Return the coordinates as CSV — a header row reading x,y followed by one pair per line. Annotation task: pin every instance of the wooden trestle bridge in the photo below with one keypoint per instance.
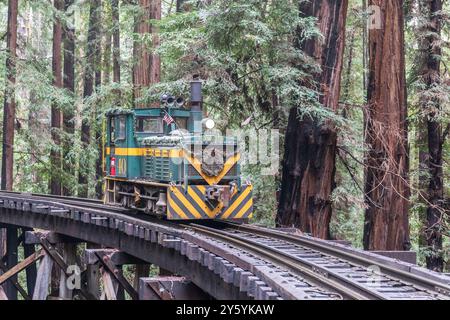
x,y
218,260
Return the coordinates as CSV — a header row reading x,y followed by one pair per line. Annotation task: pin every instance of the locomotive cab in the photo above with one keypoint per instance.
x,y
160,161
118,144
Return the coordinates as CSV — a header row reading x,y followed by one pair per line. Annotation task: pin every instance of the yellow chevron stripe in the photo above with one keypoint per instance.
x,y
180,196
244,209
176,208
217,210
236,203
231,161
200,202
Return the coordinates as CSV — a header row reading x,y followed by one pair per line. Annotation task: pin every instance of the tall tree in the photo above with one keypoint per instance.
x,y
108,31
69,85
9,106
386,161
310,146
56,164
155,65
98,82
116,40
147,65
9,118
432,161
91,77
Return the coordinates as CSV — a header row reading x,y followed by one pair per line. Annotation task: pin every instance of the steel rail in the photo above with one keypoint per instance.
x,y
151,230
41,195
123,212
296,265
420,282
88,203
339,284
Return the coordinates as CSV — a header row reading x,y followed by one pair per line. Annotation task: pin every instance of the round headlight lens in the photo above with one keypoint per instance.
x,y
209,124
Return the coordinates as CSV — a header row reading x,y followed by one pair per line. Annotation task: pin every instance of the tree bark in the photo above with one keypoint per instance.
x,y
107,58
147,66
386,162
310,147
116,40
91,77
98,83
55,157
9,106
430,105
69,85
155,65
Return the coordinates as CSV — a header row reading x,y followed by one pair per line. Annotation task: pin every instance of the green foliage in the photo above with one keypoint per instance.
x,y
245,51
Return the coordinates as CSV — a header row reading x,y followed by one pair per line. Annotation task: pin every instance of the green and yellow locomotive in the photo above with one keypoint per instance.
x,y
163,162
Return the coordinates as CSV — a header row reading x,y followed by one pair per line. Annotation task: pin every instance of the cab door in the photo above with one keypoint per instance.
x,y
118,147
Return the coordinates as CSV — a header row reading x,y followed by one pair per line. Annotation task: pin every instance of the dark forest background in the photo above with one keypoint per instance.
x,y
359,93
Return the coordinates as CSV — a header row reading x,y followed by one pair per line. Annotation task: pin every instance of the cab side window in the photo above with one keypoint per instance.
x,y
121,132
112,125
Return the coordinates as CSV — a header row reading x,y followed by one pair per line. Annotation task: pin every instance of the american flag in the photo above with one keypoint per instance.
x,y
168,119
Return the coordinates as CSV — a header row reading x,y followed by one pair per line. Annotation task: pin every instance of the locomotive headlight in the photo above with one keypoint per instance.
x,y
209,123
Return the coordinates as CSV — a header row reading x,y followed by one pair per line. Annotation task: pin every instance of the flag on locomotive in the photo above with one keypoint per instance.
x,y
162,161
168,119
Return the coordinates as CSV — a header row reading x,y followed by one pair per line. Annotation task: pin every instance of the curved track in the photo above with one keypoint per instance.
x,y
336,269
353,275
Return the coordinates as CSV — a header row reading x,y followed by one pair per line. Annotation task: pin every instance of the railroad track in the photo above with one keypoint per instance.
x,y
73,201
351,275
340,272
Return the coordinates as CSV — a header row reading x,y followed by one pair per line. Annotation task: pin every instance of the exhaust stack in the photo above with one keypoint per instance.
x,y
196,94
196,105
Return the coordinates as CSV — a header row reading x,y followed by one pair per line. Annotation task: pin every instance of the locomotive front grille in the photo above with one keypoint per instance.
x,y
156,168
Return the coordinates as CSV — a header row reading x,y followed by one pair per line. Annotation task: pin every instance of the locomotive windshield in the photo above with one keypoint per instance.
x,y
181,123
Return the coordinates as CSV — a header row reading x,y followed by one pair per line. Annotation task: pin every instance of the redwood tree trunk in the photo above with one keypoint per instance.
x,y
147,65
69,85
90,77
431,75
310,147
56,164
9,106
155,60
9,238
386,164
116,40
98,82
107,58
